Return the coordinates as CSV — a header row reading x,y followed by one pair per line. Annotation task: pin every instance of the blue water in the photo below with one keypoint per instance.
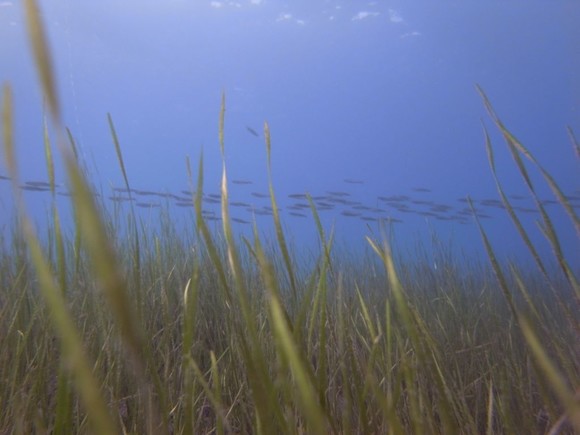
x,y
380,94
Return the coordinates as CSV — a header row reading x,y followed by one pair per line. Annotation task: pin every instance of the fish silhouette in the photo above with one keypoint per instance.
x,y
252,131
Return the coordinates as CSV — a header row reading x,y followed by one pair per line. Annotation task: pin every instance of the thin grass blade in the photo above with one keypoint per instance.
x,y
38,39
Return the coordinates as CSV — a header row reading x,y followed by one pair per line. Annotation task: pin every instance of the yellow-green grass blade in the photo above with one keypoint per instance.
x,y
549,233
489,423
495,264
325,245
60,252
431,357
118,151
209,392
48,156
71,342
267,410
190,303
554,378
221,125
322,337
315,301
72,346
136,248
63,412
445,403
561,197
270,416
341,341
373,347
121,162
285,389
233,255
539,321
72,143
552,375
423,344
289,351
283,245
318,318
8,130
357,381
371,382
43,63
77,254
215,379
38,39
525,294
276,216
256,354
104,259
307,305
366,316
411,390
516,147
107,271
548,227
59,244
390,379
396,287
203,228
521,231
498,122
574,141
234,262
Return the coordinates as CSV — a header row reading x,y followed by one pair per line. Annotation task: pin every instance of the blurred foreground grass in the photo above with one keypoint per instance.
x,y
161,331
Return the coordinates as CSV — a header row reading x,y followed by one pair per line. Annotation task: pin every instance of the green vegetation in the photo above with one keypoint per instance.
x,y
117,327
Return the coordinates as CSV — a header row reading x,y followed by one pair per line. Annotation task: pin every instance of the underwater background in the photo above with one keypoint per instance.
x,y
375,256
372,110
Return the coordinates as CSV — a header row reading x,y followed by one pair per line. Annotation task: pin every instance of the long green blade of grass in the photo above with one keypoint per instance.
x,y
276,216
87,217
233,254
522,232
37,37
136,247
574,141
8,130
262,386
509,208
72,347
209,392
516,148
288,349
554,378
72,344
205,232
48,156
423,344
557,383
190,304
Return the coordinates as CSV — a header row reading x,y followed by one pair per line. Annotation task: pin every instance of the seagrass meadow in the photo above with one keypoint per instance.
x,y
113,326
